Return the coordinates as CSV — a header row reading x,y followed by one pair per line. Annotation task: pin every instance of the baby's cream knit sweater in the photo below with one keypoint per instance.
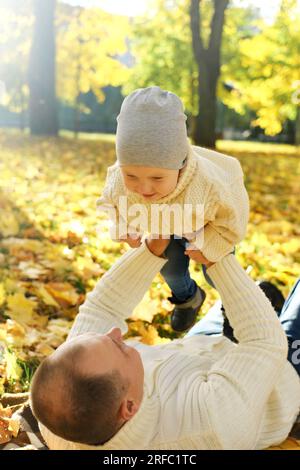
x,y
211,181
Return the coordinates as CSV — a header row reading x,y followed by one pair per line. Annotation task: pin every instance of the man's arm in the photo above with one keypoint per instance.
x,y
120,290
237,387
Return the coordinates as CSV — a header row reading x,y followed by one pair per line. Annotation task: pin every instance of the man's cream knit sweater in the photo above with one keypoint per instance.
x,y
200,392
210,179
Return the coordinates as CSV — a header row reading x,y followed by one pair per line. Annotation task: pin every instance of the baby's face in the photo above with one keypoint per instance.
x,y
150,183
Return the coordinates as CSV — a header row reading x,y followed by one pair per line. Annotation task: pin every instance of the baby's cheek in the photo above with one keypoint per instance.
x,y
171,186
129,185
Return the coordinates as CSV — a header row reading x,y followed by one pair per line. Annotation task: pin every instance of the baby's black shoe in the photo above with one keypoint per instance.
x,y
273,293
184,314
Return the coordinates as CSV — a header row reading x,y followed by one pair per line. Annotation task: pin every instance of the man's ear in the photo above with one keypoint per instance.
x,y
127,409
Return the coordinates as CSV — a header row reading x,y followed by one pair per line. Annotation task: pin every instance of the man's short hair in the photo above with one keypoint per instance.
x,y
73,405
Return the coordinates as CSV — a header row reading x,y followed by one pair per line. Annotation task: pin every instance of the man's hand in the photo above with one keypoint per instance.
x,y
157,246
198,256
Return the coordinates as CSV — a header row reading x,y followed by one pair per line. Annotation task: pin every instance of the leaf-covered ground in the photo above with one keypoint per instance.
x,y
54,246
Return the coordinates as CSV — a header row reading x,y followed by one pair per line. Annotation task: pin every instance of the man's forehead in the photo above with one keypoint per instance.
x,y
83,340
85,336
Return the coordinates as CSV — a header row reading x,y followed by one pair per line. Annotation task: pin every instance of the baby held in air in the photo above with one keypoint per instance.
x,y
163,185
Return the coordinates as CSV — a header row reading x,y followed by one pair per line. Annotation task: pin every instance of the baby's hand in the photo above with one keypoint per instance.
x,y
134,241
198,256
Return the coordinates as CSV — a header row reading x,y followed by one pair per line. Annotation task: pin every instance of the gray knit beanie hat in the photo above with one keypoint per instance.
x,y
151,130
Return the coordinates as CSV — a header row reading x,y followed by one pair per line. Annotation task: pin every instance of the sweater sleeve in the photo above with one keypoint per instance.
x,y
118,292
107,193
228,218
238,386
108,203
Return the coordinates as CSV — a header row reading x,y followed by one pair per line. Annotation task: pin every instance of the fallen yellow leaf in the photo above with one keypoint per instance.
x,y
63,292
2,294
22,311
46,297
20,308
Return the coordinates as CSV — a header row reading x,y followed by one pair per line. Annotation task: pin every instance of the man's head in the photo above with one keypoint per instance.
x,y
88,388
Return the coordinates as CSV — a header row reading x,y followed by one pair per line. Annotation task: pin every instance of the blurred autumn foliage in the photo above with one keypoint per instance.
x,y
54,246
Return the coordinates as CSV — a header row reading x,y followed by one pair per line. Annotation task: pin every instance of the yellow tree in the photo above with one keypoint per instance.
x,y
15,40
89,45
267,72
162,47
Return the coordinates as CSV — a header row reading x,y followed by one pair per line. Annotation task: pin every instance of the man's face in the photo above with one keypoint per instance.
x,y
107,352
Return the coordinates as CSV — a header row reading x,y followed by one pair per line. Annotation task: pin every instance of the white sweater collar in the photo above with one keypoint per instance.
x,y
137,432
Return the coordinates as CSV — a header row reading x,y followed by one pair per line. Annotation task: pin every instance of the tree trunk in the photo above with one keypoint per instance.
x,y
42,102
208,62
22,113
205,128
76,124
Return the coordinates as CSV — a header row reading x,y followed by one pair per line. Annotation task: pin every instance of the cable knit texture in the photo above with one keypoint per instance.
x,y
200,392
210,179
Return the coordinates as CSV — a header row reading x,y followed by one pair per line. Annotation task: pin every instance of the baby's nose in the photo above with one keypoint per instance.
x,y
146,188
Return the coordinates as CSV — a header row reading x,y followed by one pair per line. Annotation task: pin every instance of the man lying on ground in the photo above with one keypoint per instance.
x,y
199,392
